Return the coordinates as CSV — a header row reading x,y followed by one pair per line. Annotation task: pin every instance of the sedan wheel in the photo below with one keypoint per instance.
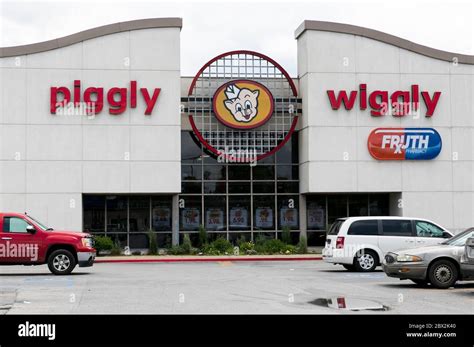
x,y
443,274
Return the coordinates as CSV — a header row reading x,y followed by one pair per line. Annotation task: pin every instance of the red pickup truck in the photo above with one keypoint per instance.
x,y
25,241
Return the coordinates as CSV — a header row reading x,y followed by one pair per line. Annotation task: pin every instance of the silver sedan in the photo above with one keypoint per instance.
x,y
441,265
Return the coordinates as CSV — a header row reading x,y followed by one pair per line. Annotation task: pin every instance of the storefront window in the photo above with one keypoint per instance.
x,y
139,219
161,216
288,213
239,212
232,199
378,205
316,212
139,241
190,213
117,213
239,187
358,205
214,187
288,154
214,172
239,172
264,212
337,207
191,187
215,213
94,213
190,148
263,173
287,172
264,187
191,172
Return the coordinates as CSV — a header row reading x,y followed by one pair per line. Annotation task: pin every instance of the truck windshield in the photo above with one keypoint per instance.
x,y
41,225
460,239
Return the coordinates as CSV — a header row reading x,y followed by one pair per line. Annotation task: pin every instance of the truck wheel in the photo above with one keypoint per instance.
x,y
366,261
61,262
443,274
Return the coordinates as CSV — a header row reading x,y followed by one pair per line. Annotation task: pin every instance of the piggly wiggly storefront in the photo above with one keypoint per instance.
x,y
100,132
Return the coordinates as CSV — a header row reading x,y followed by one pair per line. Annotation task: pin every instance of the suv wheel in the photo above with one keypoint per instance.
x,y
61,262
443,274
366,261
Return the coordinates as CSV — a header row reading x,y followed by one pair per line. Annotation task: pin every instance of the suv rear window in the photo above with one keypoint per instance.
x,y
397,227
364,227
334,230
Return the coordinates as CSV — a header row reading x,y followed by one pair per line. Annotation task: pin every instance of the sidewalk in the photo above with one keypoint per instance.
x,y
204,258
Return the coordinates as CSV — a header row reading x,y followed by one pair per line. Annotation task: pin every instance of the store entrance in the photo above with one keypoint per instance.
x,y
323,209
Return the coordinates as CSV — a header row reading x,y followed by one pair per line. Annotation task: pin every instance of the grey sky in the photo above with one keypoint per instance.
x,y
213,27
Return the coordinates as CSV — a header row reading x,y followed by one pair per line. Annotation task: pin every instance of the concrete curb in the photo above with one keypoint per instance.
x,y
203,259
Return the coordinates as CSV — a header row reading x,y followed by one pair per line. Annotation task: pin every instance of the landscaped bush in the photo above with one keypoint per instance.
x,y
116,250
220,246
286,235
203,237
153,243
247,247
187,246
271,246
103,243
302,246
177,250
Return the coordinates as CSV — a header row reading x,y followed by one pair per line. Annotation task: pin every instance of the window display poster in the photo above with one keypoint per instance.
x,y
264,217
316,218
214,218
161,217
289,217
190,218
238,217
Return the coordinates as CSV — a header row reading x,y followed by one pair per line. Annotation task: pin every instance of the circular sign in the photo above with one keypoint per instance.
x,y
243,104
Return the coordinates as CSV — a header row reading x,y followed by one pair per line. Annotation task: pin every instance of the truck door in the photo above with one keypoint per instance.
x,y
17,241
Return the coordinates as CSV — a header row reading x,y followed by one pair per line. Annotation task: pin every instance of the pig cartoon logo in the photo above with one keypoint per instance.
x,y
243,104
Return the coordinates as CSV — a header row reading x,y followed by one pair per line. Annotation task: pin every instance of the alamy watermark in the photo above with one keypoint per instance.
x,y
19,250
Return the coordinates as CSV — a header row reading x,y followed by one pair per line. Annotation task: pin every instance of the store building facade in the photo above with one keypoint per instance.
x,y
100,132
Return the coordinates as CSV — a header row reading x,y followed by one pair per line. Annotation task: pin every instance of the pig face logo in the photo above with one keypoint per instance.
x,y
243,104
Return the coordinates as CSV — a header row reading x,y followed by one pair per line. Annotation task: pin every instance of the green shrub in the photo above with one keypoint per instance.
x,y
246,247
290,249
177,250
222,245
153,243
187,246
286,235
203,237
271,246
103,243
302,246
219,246
260,240
116,250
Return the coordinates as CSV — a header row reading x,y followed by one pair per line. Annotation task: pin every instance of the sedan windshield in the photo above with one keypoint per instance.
x,y
460,239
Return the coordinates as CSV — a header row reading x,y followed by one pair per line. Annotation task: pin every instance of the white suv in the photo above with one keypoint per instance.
x,y
359,243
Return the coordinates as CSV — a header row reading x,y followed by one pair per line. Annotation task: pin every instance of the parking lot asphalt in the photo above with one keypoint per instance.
x,y
276,287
